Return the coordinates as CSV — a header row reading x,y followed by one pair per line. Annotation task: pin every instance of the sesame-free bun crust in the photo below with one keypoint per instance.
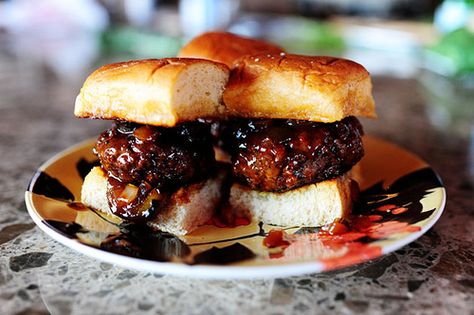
x,y
189,207
225,47
315,88
310,205
160,92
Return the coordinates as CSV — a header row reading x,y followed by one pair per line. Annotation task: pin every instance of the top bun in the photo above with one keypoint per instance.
x,y
160,92
225,47
324,89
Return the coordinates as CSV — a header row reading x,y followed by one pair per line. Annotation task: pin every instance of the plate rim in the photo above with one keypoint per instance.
x,y
213,272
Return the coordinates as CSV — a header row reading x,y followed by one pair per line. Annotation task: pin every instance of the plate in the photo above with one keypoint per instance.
x,y
401,198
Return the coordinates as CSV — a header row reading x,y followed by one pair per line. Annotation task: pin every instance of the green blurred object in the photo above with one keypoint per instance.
x,y
448,82
450,102
454,54
305,36
138,44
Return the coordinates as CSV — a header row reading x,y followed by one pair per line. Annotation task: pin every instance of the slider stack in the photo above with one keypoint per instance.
x,y
283,124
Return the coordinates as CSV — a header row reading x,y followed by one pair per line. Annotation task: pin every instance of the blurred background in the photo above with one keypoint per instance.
x,y
428,41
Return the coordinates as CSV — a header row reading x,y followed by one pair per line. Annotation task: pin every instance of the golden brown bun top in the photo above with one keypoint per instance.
x,y
315,88
161,92
225,47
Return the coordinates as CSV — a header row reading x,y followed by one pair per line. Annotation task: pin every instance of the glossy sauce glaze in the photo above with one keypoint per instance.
x,y
132,202
279,154
145,164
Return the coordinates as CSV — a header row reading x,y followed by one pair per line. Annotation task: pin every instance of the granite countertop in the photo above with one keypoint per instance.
x,y
433,275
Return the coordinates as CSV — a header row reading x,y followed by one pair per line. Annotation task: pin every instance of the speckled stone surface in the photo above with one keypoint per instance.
x,y
433,275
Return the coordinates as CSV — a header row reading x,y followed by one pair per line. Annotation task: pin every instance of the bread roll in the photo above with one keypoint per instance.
x,y
160,92
323,89
225,47
311,205
189,208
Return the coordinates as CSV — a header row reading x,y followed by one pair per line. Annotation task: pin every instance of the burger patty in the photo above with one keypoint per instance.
x,y
278,155
164,158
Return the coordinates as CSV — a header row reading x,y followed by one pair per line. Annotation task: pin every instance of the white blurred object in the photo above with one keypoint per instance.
x,y
198,16
52,17
139,12
453,14
61,34
385,47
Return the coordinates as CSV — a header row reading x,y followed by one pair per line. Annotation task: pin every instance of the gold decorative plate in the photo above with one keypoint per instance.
x,y
401,198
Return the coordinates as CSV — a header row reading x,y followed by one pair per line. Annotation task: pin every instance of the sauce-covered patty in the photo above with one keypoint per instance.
x,y
142,159
160,156
279,155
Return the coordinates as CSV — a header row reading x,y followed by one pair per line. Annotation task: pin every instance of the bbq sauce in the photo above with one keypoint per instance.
x,y
278,155
275,238
78,206
147,163
130,202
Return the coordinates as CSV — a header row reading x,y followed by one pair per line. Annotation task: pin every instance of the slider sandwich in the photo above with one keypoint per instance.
x,y
226,47
293,137
287,122
157,162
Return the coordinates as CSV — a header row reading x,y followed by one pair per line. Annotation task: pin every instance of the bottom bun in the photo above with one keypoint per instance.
x,y
310,205
189,207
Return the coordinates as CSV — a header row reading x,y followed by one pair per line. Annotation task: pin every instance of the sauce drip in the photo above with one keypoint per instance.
x,y
275,238
132,202
335,228
224,223
145,164
78,206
